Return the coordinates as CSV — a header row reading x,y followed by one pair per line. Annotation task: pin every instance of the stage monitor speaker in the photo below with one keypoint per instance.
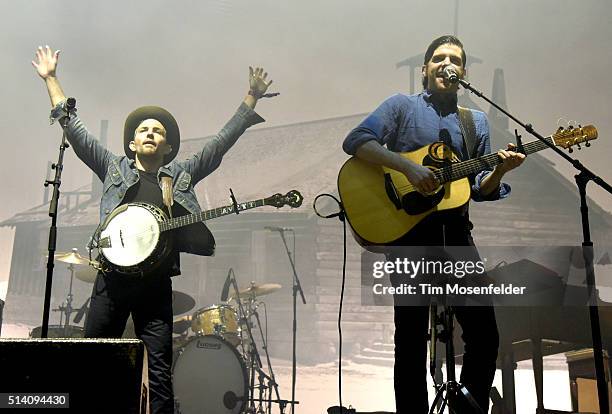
x,y
97,375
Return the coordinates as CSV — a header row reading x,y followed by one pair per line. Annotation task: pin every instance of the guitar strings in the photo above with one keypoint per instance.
x,y
207,215
464,168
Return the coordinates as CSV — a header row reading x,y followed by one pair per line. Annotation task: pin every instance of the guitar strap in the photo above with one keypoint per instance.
x,y
468,130
167,198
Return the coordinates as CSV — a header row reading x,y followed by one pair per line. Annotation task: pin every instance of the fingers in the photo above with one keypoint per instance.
x,y
257,72
421,178
46,54
511,150
504,154
45,61
518,158
258,78
510,159
428,182
431,183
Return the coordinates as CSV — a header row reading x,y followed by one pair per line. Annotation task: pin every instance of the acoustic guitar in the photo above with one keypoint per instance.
x,y
382,206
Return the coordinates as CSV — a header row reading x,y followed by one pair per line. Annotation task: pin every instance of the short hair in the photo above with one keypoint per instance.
x,y
436,43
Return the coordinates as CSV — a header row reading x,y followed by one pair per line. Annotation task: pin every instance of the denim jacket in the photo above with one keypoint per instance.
x,y
119,173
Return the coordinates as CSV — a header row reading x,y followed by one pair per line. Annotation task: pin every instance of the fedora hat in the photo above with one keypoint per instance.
x,y
173,136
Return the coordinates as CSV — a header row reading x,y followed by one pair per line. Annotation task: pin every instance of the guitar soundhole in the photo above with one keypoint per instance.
x,y
417,203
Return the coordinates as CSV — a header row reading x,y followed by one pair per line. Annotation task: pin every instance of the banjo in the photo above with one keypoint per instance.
x,y
134,238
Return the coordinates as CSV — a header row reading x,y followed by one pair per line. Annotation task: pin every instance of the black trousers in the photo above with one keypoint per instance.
x,y
410,371
149,300
412,322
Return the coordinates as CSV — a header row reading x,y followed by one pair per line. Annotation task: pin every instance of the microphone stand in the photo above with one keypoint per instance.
x,y
297,287
582,179
67,310
271,379
56,182
255,358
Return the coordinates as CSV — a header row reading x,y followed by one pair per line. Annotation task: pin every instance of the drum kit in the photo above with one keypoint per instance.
x,y
83,272
216,366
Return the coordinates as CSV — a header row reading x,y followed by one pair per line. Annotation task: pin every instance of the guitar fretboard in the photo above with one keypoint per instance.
x,y
463,169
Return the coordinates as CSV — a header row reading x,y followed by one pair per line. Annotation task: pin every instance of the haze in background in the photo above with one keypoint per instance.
x,y
327,58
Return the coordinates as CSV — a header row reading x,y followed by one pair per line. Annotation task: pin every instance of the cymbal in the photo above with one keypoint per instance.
x,y
181,302
86,274
72,258
259,290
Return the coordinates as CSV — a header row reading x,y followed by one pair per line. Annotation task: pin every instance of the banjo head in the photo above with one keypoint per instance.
x,y
131,234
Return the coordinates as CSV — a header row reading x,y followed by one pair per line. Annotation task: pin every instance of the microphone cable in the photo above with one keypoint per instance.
x,y
342,217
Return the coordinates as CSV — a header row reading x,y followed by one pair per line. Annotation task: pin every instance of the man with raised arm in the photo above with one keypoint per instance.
x,y
148,173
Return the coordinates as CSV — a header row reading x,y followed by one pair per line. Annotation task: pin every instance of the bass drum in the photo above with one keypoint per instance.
x,y
209,376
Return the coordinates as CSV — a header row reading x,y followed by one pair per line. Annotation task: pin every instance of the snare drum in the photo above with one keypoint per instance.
x,y
209,376
218,320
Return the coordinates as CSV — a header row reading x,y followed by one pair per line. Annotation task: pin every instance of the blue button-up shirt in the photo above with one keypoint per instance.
x,y
408,122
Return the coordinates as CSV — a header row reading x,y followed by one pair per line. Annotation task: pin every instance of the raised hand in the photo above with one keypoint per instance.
x,y
46,61
257,82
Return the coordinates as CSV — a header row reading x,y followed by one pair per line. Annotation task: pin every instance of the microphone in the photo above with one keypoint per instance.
x,y
450,74
276,228
70,104
226,286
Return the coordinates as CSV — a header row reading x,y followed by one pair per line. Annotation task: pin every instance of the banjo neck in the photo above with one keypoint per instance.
x,y
188,219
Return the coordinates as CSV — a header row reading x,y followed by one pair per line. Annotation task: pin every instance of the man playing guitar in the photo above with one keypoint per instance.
x,y
148,173
405,123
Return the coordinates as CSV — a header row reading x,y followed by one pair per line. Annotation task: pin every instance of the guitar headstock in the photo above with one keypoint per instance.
x,y
568,137
292,199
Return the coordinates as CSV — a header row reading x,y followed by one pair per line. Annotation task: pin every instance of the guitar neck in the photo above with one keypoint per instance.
x,y
182,221
464,169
